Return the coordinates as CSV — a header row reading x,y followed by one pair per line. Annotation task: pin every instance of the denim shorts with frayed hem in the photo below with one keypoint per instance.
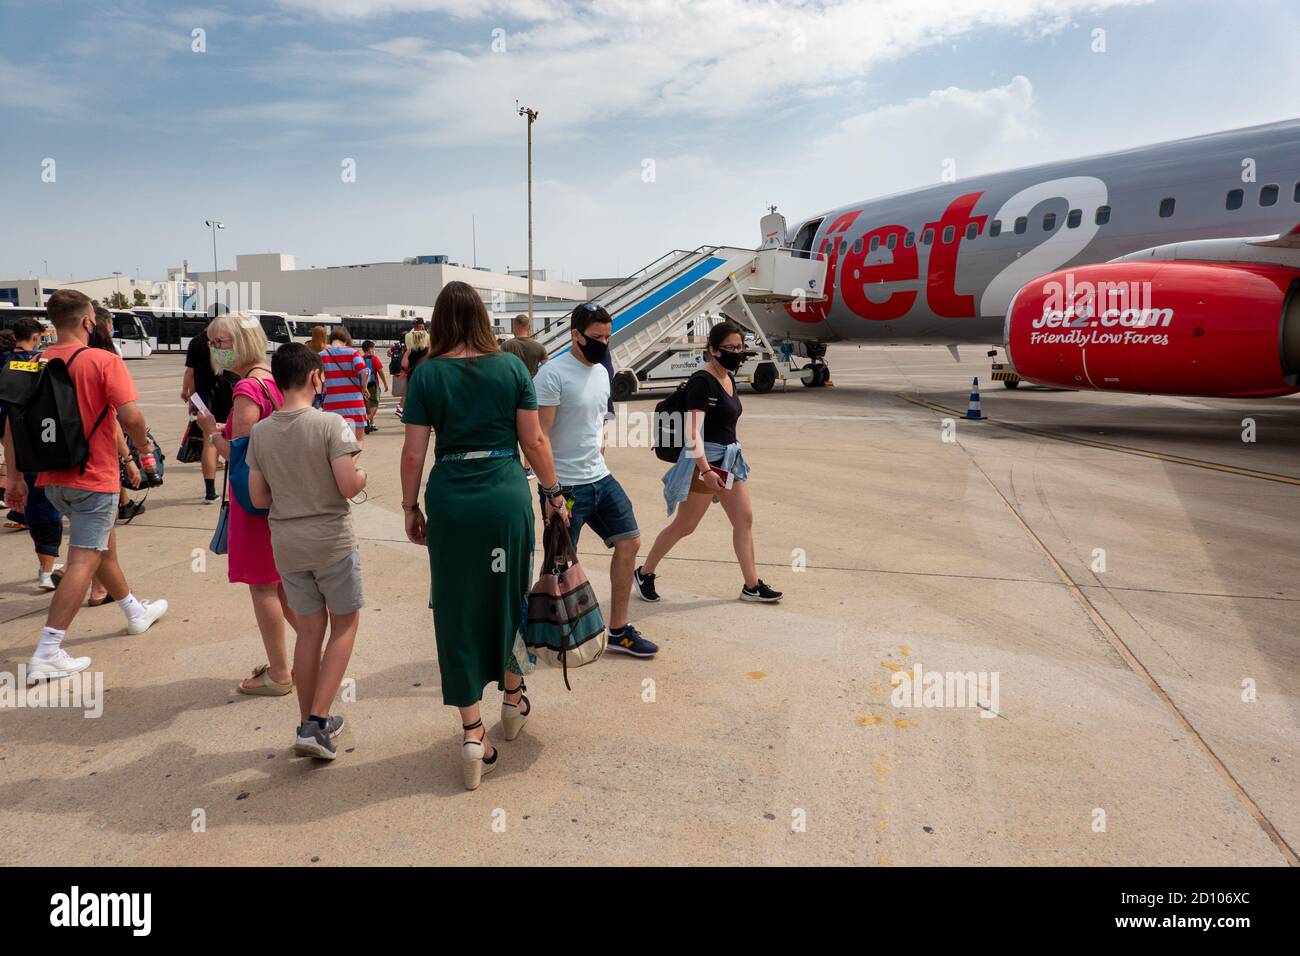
x,y
604,507
90,514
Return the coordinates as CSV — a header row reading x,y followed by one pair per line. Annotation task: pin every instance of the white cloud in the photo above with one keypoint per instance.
x,y
905,145
35,89
710,59
461,9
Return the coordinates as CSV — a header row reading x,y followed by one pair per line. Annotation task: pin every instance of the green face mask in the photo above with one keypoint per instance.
x,y
223,358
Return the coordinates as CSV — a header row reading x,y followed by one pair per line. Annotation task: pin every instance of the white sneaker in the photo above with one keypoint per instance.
x,y
60,665
45,579
152,611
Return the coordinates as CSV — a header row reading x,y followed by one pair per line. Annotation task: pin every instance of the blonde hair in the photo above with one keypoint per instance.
x,y
419,340
245,331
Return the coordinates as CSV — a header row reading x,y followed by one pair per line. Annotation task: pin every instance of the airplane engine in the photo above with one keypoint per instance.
x,y
1230,330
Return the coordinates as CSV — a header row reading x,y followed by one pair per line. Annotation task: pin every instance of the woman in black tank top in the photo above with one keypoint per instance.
x,y
713,411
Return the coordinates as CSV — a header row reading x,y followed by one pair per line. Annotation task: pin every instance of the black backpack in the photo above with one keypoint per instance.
x,y
395,358
47,431
668,436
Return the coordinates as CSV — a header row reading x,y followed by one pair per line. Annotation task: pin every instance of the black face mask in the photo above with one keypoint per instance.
x,y
593,350
731,360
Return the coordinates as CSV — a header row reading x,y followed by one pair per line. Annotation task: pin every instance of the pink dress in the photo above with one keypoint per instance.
x,y
250,558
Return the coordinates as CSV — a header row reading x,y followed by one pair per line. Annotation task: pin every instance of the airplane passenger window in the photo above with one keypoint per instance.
x,y
875,243
892,240
1234,198
1295,196
995,228
857,244
1103,215
1022,223
1166,207
1074,218
1049,221
1268,195
949,234
972,231
909,240
928,236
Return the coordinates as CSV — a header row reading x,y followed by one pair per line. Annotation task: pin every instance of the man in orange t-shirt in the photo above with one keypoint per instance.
x,y
88,497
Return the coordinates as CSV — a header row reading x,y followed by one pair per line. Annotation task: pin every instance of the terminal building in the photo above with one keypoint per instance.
x,y
34,291
272,282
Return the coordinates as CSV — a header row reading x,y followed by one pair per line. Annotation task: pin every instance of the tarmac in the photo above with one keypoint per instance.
x,y
1117,571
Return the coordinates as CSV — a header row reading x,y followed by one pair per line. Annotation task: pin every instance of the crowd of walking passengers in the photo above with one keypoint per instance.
x,y
292,430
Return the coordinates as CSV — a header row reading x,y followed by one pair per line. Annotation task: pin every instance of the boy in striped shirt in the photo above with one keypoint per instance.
x,y
346,377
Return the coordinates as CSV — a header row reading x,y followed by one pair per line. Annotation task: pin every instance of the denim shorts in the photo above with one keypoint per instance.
x,y
90,514
605,507
336,586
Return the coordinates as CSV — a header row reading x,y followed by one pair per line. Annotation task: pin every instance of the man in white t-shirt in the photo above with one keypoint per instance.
x,y
572,397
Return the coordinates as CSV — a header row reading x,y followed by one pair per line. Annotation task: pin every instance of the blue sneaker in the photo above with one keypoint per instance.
x,y
630,641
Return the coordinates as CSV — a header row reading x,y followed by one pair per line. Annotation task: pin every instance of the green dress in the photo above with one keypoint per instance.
x,y
479,515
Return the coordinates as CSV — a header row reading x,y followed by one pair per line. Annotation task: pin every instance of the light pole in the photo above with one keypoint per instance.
x,y
532,118
214,225
117,285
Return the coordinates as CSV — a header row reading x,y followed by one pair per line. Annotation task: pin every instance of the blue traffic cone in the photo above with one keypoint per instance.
x,y
973,409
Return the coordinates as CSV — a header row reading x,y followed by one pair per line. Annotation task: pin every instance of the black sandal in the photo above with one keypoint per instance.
x,y
511,726
474,726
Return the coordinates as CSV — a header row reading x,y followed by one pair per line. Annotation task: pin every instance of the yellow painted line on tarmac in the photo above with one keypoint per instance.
x,y
1112,446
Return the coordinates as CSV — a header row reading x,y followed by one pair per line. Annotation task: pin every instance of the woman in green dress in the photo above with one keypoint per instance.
x,y
479,402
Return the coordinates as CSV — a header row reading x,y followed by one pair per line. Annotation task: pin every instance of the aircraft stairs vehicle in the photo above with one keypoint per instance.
x,y
659,310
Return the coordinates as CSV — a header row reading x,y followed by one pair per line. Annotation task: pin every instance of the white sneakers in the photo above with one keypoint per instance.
x,y
63,664
60,665
45,579
152,611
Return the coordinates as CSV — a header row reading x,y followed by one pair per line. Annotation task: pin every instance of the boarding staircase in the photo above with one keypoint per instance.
x,y
652,308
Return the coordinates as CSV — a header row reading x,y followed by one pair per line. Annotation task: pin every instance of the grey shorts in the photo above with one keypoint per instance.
x,y
336,587
90,514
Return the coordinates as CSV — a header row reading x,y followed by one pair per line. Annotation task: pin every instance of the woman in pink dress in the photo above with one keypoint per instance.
x,y
238,344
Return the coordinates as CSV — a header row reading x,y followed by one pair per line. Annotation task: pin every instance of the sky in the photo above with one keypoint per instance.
x,y
347,131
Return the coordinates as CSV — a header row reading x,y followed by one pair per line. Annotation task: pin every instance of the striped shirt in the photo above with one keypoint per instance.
x,y
344,371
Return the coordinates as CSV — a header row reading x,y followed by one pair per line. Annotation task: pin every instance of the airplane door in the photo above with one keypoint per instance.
x,y
803,239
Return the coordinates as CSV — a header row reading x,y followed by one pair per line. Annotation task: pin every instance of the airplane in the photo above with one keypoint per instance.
x,y
1165,269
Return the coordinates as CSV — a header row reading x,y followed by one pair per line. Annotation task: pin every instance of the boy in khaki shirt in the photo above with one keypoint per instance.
x,y
302,466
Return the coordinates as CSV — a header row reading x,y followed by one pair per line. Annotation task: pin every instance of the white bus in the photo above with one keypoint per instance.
x,y
173,330
130,334
300,326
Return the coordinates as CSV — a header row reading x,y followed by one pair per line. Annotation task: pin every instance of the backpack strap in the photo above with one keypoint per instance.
x,y
102,414
332,361
267,392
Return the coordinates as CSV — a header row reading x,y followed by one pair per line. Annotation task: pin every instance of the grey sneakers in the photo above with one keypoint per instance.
x,y
312,741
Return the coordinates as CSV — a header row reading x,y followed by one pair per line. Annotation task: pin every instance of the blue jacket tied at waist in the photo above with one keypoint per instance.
x,y
677,480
